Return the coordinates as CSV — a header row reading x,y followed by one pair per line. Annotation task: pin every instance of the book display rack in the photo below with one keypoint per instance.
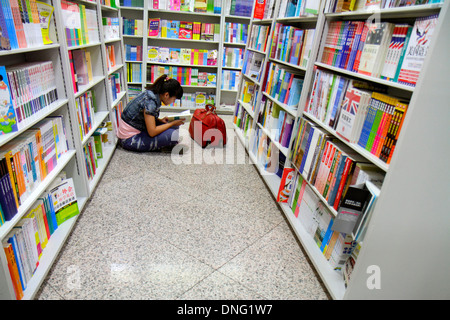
x,y
63,87
318,115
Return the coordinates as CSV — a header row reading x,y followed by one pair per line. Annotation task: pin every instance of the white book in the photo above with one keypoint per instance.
x,y
185,115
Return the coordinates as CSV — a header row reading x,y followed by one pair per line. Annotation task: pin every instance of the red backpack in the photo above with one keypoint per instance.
x,y
207,128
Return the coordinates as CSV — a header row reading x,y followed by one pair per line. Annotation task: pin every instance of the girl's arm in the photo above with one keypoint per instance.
x,y
153,130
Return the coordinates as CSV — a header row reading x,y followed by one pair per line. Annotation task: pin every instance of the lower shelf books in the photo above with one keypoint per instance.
x,y
185,75
134,72
267,154
16,109
193,57
27,160
327,164
26,243
318,221
230,80
282,85
242,119
277,121
195,100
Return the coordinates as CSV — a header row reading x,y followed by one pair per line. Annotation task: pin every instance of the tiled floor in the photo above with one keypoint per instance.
x,y
205,228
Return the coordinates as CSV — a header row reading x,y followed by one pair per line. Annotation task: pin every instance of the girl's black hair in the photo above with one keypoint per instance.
x,y
165,84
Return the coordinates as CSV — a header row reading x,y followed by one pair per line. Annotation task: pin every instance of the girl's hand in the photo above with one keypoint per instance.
x,y
177,122
164,120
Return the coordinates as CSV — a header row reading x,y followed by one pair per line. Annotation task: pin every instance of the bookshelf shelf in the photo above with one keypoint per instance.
x,y
376,161
367,78
39,116
102,164
82,89
49,256
83,46
289,109
31,49
403,12
296,67
23,209
112,40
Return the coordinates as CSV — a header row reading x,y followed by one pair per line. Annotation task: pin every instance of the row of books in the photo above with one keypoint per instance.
x,y
80,23
294,8
185,75
283,85
253,65
94,147
233,57
235,33
277,121
201,6
242,119
111,28
242,8
133,91
85,106
25,90
193,57
264,9
175,29
132,27
132,3
362,5
110,57
26,243
195,100
258,37
249,93
133,53
20,26
230,80
323,162
28,159
292,45
318,223
110,3
267,153
80,67
134,72
359,115
115,84
118,110
394,52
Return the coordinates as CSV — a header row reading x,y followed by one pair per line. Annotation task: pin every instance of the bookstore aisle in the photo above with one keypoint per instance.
x,y
158,229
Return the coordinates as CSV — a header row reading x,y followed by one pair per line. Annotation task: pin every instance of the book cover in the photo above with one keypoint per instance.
x,y
416,50
351,209
8,119
349,109
153,27
173,28
374,49
45,15
186,29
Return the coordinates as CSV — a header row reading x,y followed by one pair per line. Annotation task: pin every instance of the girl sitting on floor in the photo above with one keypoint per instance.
x,y
140,128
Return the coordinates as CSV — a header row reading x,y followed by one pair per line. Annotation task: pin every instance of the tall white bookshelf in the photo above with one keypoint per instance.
x,y
73,161
405,210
